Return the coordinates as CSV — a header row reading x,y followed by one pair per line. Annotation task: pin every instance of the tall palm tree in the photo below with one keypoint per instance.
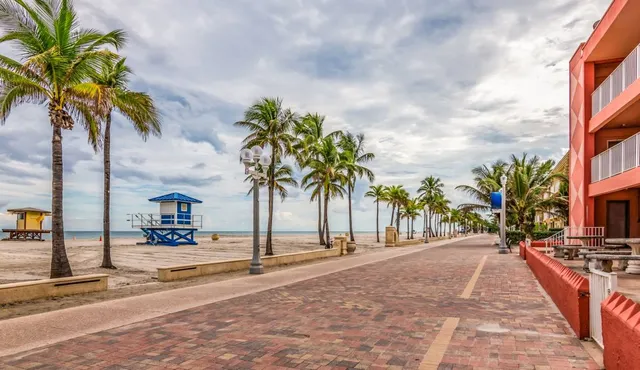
x,y
429,188
410,212
111,93
270,125
440,206
354,156
283,178
57,60
310,133
327,173
378,193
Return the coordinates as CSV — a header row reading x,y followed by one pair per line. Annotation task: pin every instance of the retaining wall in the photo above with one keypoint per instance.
x,y
621,332
30,290
172,273
568,289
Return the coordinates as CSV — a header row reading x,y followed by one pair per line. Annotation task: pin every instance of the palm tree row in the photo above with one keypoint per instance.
x,y
333,161
430,203
73,72
528,183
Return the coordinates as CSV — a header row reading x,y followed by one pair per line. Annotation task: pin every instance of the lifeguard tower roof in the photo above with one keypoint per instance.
x,y
175,197
28,209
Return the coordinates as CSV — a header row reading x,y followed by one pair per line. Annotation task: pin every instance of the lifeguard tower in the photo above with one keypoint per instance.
x,y
175,224
28,224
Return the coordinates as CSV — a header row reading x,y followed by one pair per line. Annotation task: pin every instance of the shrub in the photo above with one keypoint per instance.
x,y
515,237
539,235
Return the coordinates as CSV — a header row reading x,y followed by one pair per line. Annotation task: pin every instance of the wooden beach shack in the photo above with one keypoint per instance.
x,y
28,224
174,225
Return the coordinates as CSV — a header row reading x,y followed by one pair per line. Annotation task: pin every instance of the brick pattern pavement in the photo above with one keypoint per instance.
x,y
378,316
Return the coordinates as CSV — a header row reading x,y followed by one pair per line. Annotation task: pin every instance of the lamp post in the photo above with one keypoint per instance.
x,y
426,234
256,165
503,217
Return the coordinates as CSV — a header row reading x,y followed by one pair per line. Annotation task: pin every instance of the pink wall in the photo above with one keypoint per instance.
x,y
621,333
581,142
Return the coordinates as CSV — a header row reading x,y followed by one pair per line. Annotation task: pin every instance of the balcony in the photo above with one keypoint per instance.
x,y
622,77
620,158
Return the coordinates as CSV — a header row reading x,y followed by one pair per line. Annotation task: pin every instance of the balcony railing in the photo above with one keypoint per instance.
x,y
622,157
627,73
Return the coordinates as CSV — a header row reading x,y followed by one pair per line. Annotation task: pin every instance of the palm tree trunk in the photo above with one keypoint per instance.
x,y
393,213
378,220
412,228
320,231
408,236
353,239
424,224
106,220
398,219
449,228
326,218
429,227
59,262
272,168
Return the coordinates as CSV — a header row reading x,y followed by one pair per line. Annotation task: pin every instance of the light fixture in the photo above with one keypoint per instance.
x,y
257,151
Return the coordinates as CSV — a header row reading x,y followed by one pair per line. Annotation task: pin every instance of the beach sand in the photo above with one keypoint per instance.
x,y
137,264
136,272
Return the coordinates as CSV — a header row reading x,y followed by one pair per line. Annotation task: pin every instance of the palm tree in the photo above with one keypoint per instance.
x,y
327,173
411,211
354,155
111,93
530,179
310,132
394,195
440,206
455,217
270,125
283,178
377,192
487,180
429,188
58,58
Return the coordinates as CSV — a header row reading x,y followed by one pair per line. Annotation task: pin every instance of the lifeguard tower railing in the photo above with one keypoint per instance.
x,y
165,220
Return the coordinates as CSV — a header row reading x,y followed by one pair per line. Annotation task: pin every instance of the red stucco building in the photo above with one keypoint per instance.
x,y
605,124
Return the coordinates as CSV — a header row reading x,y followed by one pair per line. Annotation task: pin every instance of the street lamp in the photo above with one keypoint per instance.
x,y
503,217
426,227
256,165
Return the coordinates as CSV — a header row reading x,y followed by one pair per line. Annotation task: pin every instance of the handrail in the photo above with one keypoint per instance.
x,y
173,220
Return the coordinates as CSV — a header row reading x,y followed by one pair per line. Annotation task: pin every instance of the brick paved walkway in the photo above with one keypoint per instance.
x,y
382,315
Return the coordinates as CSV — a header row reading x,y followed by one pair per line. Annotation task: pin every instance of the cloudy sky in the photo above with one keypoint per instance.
x,y
437,87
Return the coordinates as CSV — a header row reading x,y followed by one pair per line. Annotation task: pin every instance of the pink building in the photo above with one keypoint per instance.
x,y
605,124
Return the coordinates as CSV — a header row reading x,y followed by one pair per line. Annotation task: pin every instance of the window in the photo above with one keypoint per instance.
x,y
184,207
612,143
20,216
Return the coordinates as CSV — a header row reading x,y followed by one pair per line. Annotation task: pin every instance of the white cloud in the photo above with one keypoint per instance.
x,y
437,87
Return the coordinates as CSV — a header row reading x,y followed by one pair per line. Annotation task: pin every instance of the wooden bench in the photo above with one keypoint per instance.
x,y
622,264
607,260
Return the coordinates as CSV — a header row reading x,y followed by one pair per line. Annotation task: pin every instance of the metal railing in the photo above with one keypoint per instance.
x,y
158,220
622,157
622,77
562,237
601,285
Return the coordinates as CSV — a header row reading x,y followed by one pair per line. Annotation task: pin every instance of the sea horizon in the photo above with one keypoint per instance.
x,y
95,234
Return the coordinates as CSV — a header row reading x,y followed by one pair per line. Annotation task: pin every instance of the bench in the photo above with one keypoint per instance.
x,y
622,264
571,250
607,260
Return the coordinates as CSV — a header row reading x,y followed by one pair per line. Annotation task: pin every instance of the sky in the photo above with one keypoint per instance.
x,y
437,87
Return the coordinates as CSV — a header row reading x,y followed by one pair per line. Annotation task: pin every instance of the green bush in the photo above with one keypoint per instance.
x,y
515,237
539,235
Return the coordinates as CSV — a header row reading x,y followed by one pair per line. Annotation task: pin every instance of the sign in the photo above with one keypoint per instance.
x,y
496,200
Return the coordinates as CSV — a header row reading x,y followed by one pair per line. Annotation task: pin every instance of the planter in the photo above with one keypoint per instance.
x,y
351,247
215,237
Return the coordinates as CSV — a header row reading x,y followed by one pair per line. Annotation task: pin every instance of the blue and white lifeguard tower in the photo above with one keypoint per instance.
x,y
174,225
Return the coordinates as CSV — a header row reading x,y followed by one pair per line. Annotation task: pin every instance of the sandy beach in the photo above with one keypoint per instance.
x,y
137,264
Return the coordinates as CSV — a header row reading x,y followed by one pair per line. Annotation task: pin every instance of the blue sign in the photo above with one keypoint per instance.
x,y
496,200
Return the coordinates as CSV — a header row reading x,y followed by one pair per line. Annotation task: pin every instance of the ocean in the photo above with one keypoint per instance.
x,y
88,235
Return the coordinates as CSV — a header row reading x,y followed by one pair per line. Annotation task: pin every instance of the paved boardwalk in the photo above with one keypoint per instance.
x,y
459,306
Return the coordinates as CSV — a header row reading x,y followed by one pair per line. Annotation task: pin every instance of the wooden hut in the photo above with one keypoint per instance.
x,y
28,224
